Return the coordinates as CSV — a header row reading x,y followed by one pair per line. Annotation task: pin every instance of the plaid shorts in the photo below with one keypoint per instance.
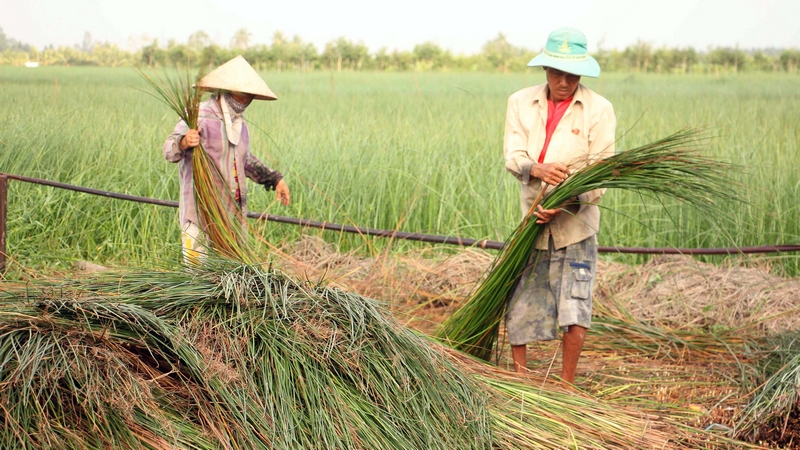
x,y
554,291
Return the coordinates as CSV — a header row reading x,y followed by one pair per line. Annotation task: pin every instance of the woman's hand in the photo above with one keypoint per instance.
x,y
189,140
282,192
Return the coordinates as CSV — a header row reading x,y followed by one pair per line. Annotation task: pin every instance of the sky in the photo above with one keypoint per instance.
x,y
460,26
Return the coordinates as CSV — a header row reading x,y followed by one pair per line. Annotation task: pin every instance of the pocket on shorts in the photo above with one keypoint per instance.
x,y
581,280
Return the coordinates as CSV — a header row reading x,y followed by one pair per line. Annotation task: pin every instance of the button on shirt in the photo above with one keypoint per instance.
x,y
585,134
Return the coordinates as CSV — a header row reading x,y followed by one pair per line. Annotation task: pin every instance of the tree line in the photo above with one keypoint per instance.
x,y
285,53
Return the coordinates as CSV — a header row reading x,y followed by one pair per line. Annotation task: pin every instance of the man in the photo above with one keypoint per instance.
x,y
552,129
226,138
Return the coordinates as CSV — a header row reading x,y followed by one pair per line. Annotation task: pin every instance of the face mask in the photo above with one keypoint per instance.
x,y
236,107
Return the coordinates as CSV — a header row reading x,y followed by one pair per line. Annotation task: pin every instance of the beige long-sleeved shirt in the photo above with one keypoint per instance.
x,y
585,134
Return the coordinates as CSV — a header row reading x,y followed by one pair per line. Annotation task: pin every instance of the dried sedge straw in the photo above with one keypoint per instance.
x,y
669,167
529,412
773,403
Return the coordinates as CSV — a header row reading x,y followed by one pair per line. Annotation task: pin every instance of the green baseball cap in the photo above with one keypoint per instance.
x,y
566,51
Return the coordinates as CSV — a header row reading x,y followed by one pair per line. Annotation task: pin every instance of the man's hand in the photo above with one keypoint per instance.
x,y
545,215
190,140
552,173
282,192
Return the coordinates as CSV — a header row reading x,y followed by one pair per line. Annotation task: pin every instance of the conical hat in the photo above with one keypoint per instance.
x,y
236,75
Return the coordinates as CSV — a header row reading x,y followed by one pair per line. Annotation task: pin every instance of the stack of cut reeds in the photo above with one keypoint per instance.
x,y
224,356
237,356
773,406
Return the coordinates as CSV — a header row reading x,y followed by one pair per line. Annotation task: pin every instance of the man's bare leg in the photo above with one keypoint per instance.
x,y
519,354
573,345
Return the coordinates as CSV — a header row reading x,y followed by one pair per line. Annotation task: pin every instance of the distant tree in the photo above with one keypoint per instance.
x,y
402,60
728,58
241,39
224,55
603,56
257,55
331,56
301,54
3,40
198,41
685,59
279,51
639,55
292,54
153,55
344,53
109,55
662,59
428,52
673,60
762,61
499,52
790,60
359,53
209,55
178,54
382,58
6,43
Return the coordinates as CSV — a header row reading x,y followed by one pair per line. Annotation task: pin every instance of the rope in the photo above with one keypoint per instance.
x,y
420,237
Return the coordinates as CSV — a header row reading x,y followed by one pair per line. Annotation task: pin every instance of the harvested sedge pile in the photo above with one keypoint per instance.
x,y
773,408
235,356
670,167
227,357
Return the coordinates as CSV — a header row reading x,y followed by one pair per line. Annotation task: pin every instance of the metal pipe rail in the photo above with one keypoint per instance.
x,y
430,238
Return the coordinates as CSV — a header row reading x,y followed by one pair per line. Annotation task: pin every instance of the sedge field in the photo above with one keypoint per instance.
x,y
409,151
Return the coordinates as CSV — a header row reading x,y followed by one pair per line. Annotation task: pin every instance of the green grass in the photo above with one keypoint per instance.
x,y
422,152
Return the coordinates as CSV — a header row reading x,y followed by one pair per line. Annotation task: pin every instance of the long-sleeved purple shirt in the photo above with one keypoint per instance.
x,y
214,139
